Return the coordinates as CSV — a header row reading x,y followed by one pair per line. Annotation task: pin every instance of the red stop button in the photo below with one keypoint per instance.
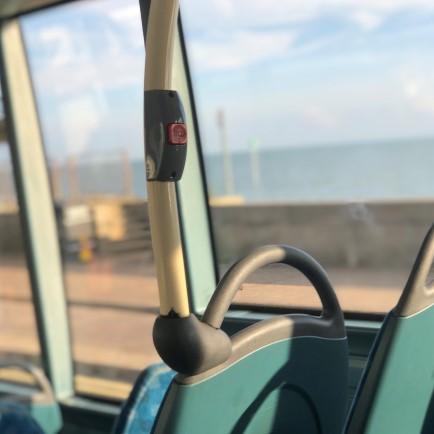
x,y
177,134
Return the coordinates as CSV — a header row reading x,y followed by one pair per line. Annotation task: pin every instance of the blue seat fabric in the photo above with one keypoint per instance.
x,y
141,408
14,420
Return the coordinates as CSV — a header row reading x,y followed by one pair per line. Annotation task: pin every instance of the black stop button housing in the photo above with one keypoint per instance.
x,y
165,157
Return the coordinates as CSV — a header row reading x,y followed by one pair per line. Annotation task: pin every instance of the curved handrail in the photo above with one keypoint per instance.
x,y
36,372
191,347
267,255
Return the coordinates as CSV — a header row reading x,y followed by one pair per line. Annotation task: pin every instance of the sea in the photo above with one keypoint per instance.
x,y
359,172
376,171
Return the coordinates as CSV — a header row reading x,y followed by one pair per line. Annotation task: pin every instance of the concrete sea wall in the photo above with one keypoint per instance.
x,y
371,235
11,241
356,235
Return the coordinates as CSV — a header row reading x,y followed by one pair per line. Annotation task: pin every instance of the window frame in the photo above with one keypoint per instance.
x,y
36,202
36,209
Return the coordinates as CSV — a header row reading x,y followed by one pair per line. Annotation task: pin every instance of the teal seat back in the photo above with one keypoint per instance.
x,y
395,395
293,386
287,374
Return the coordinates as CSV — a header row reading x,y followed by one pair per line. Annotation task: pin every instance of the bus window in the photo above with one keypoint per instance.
x,y
18,332
317,130
87,61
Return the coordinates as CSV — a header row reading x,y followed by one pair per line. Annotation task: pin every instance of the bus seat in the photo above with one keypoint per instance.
x,y
14,420
140,410
33,413
395,395
286,374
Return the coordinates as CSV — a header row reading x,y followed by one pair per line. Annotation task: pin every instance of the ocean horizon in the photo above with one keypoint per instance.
x,y
388,170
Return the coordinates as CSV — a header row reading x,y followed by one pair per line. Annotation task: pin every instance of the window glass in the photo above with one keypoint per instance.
x,y
87,62
317,130
18,332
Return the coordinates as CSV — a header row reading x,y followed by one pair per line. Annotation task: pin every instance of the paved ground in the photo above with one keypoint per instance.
x,y
112,306
111,314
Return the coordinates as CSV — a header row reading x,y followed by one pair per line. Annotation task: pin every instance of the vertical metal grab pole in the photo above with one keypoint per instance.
x,y
185,343
162,201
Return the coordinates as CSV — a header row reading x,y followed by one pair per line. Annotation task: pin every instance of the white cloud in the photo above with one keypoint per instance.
x,y
226,8
233,34
81,116
59,44
412,88
245,13
66,77
239,49
319,117
227,35
263,20
128,18
366,20
420,93
128,13
69,59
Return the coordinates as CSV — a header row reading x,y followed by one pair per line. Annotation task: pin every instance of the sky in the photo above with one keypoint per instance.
x,y
285,72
